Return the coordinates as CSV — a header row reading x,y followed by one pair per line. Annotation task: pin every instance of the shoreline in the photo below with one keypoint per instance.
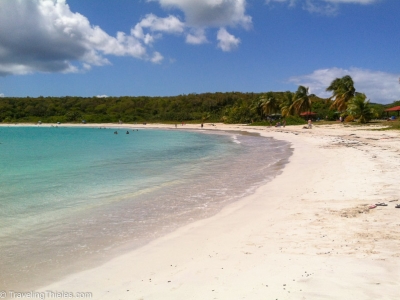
x,y
300,236
233,188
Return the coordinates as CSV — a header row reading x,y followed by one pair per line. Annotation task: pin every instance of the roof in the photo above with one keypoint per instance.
x,y
308,113
396,108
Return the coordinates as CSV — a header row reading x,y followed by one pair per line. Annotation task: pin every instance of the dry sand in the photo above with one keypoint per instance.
x,y
307,234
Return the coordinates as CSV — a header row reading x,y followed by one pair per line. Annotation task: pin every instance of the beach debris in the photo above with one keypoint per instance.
x,y
381,204
353,212
371,206
397,206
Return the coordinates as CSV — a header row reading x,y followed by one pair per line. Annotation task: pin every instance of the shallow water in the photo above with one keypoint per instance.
x,y
71,198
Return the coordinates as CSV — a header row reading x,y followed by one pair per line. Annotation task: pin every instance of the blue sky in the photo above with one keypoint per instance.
x,y
171,47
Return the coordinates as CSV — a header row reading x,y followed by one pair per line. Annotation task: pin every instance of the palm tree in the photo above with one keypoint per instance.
x,y
288,99
342,92
257,107
303,100
359,108
270,103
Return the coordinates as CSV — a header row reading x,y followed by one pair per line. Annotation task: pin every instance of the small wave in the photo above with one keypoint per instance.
x,y
235,139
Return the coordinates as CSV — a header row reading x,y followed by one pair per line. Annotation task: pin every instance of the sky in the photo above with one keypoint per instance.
x,y
172,47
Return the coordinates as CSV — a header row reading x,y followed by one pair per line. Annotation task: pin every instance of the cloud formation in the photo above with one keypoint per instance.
x,y
200,15
380,87
211,13
328,7
196,36
48,37
226,41
154,24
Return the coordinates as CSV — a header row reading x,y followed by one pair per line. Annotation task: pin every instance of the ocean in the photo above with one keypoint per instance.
x,y
72,198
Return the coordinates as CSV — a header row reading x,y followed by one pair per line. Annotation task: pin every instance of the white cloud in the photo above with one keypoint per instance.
x,y
2,95
320,8
170,24
101,96
200,15
196,37
211,13
380,87
157,57
48,37
328,7
226,41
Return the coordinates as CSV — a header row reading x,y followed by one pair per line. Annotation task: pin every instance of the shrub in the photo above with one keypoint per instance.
x,y
349,119
295,120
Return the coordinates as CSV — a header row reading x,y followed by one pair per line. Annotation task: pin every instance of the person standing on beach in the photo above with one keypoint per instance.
x,y
284,123
309,124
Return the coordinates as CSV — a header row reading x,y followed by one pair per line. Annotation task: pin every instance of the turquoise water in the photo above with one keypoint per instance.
x,y
71,198
53,171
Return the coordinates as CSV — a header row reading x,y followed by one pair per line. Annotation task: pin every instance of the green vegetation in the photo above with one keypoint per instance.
x,y
233,107
393,125
358,107
192,107
302,101
342,92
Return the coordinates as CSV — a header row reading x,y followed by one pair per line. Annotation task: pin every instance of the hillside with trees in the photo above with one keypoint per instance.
x,y
231,107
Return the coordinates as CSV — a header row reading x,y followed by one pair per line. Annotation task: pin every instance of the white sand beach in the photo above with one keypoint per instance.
x,y
307,234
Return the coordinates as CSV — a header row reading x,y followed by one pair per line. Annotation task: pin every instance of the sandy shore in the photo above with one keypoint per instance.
x,y
307,234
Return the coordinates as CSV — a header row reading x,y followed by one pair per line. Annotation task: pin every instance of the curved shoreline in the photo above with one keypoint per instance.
x,y
206,183
301,235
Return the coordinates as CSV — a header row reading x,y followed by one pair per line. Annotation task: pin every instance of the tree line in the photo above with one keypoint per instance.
x,y
344,103
230,107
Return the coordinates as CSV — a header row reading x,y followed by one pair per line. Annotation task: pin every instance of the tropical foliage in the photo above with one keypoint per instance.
x,y
232,107
303,101
270,103
342,92
359,108
287,107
